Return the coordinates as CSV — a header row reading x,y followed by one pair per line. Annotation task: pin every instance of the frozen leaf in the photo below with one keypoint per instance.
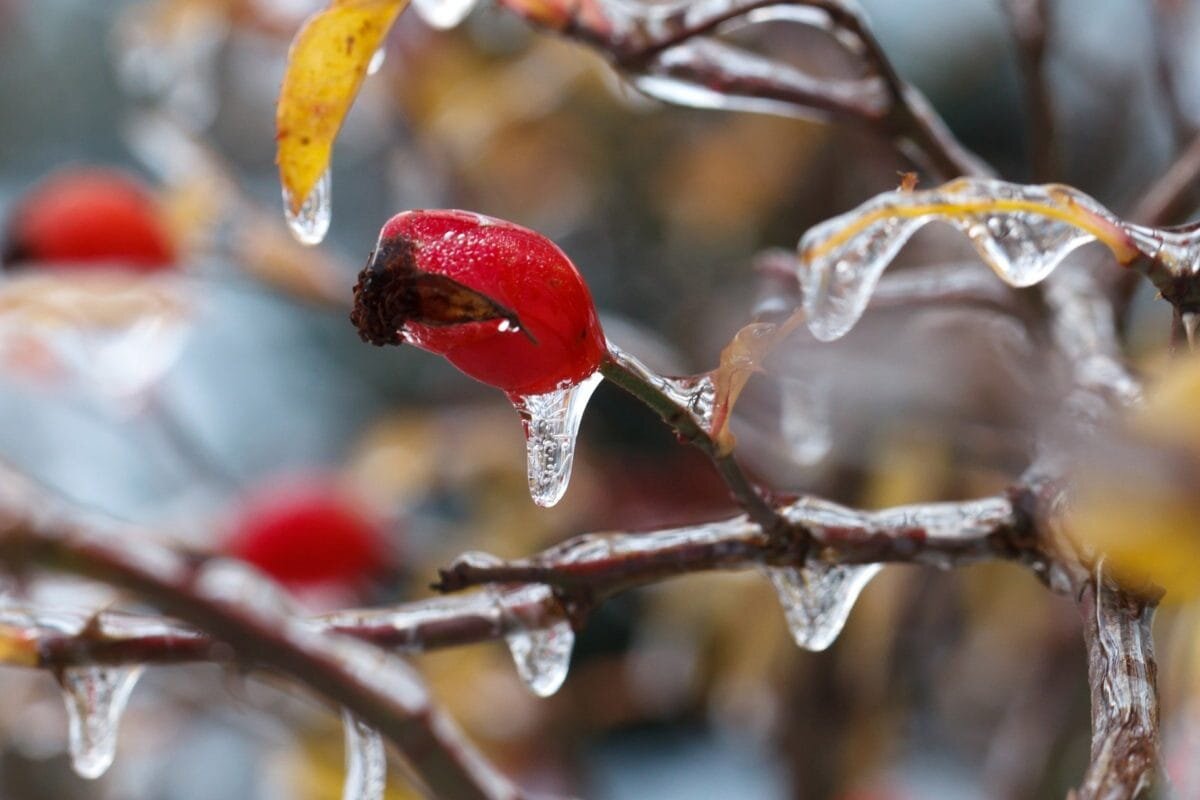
x,y
326,66
1021,232
740,359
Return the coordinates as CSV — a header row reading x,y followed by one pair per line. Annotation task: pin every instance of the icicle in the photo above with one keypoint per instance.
x,y
376,62
542,654
444,14
95,697
804,424
310,225
366,761
817,598
551,423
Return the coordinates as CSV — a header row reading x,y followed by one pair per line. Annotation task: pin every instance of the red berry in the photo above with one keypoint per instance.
x,y
84,217
308,534
460,284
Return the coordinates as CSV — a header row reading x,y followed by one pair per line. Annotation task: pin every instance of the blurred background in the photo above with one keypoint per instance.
x,y
231,396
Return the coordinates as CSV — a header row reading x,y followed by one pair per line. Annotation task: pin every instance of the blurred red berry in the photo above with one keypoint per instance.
x,y
84,217
309,534
460,284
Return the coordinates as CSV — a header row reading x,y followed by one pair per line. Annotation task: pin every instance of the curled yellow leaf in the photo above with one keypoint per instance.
x,y
326,66
741,358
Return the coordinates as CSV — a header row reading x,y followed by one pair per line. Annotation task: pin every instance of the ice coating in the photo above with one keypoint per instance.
x,y
695,393
817,598
310,224
1021,232
542,655
682,75
95,697
536,630
551,422
366,761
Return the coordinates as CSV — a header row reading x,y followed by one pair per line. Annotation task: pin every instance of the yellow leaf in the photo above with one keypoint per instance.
x,y
1171,412
740,359
326,66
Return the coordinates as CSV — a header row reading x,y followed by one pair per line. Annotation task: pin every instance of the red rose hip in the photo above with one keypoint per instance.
x,y
504,305
87,217
500,302
308,534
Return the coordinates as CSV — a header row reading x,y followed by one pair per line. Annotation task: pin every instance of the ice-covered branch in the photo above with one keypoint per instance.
x,y
377,689
55,640
1022,232
593,566
1122,673
669,50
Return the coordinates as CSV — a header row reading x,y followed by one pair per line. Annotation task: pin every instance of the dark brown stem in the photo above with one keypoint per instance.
x,y
1029,21
740,486
1122,673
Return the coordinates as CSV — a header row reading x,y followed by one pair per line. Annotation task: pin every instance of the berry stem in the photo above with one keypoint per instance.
x,y
685,426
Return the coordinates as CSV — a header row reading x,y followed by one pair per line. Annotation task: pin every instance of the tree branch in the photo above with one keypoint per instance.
x,y
1029,21
382,691
648,40
1122,673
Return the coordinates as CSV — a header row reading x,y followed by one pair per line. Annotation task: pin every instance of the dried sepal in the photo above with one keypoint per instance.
x,y
740,360
392,291
326,66
1021,232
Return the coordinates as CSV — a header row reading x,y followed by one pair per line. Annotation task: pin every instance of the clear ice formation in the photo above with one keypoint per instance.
x,y
95,697
310,224
1021,232
551,422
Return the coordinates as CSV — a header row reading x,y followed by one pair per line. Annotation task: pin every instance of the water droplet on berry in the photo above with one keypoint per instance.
x,y
311,223
817,598
366,761
443,14
551,423
95,697
376,62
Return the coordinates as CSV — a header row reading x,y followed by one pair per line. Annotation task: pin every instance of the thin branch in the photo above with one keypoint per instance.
x,y
629,376
644,39
1029,21
583,570
589,568
1122,673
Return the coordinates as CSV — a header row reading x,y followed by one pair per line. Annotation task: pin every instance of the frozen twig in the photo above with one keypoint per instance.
x,y
1122,673
660,40
590,567
380,690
